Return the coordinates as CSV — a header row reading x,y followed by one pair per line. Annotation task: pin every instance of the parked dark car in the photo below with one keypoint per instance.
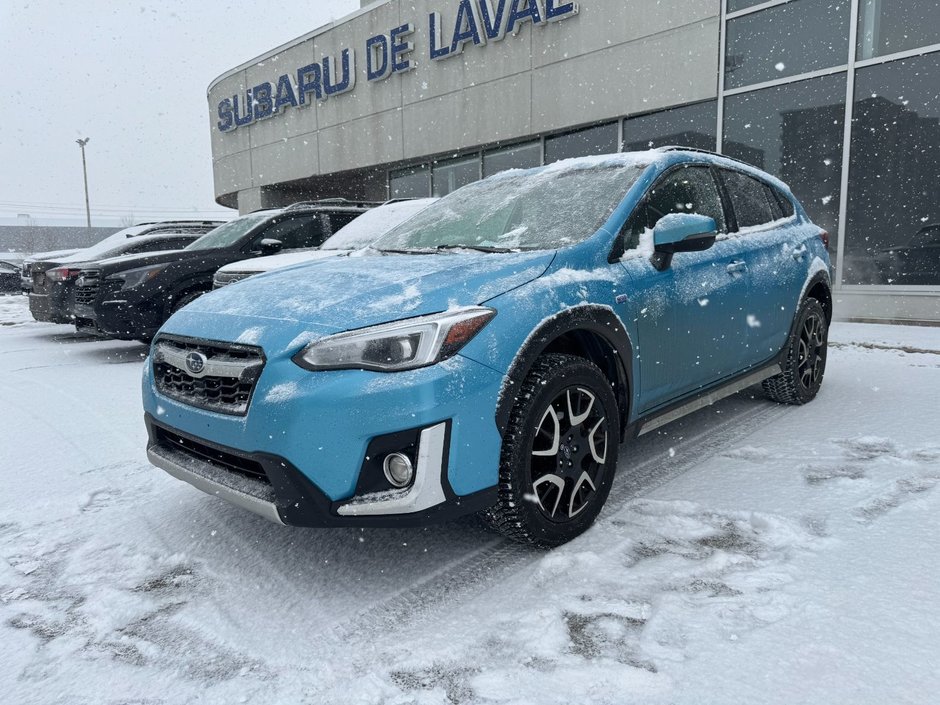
x,y
53,289
52,278
26,266
148,228
130,299
917,263
9,278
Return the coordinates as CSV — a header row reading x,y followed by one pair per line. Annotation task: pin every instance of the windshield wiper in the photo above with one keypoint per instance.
x,y
478,248
404,252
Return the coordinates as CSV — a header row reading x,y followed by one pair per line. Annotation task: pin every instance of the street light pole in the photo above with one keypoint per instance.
x,y
82,143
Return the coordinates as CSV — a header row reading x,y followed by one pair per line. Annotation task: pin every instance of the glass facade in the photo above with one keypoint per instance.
x,y
795,132
520,156
883,173
889,26
450,175
413,182
600,139
690,126
893,229
786,40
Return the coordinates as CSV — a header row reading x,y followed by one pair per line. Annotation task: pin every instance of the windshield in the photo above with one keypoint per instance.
x,y
373,224
100,249
555,207
230,233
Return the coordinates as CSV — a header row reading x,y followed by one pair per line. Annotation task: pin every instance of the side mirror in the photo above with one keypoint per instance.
x,y
681,232
269,246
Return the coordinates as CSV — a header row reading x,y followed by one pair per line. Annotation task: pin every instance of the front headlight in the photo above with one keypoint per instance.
x,y
402,345
136,277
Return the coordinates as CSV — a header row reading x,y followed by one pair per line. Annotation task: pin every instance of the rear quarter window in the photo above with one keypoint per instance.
x,y
749,199
786,205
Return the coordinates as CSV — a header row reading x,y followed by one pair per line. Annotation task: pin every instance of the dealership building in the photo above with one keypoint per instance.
x,y
403,98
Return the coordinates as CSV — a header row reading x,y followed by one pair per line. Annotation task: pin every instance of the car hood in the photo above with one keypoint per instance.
x,y
122,263
344,293
272,262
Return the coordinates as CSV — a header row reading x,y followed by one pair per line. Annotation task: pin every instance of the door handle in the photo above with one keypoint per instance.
x,y
736,267
799,252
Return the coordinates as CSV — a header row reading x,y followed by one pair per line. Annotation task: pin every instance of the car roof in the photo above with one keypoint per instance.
x,y
661,157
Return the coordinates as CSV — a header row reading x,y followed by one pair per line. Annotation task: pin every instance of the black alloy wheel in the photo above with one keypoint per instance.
x,y
805,364
559,452
569,451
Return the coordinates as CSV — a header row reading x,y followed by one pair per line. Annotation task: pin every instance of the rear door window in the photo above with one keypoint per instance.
x,y
749,199
340,220
299,232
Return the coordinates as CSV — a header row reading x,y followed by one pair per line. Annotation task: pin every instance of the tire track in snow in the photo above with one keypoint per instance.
x,y
472,574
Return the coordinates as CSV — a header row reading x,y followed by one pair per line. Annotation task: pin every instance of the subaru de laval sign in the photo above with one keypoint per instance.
x,y
476,22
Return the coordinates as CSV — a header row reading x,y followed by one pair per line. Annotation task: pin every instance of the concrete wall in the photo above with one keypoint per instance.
x,y
614,58
41,238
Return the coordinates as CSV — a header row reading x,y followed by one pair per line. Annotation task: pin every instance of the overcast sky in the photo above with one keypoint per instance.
x,y
133,79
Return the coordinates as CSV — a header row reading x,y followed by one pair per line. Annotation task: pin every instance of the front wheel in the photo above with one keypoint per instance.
x,y
805,364
559,452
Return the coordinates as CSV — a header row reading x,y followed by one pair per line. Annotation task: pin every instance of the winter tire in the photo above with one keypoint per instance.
x,y
805,363
559,452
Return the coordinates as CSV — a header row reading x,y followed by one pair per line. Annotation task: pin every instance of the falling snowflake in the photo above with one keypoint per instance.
x,y
752,321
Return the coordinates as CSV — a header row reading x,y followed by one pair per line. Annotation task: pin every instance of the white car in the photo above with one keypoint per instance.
x,y
361,232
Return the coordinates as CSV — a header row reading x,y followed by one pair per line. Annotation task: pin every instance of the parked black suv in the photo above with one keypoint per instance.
x,y
53,289
130,298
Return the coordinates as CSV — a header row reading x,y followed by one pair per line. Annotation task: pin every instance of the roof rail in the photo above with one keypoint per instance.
x,y
680,148
332,202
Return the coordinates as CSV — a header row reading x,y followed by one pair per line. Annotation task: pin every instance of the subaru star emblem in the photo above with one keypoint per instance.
x,y
195,363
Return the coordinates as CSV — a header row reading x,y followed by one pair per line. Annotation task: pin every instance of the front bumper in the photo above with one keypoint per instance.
x,y
119,319
286,496
312,443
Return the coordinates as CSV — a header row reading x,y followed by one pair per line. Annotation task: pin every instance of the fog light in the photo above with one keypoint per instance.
x,y
398,469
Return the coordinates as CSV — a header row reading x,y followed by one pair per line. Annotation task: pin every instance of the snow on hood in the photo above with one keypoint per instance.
x,y
286,259
344,293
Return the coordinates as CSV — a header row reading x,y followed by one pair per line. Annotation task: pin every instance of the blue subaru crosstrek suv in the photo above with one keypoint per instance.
x,y
490,354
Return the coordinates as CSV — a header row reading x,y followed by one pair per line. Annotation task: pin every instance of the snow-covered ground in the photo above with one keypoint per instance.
x,y
751,553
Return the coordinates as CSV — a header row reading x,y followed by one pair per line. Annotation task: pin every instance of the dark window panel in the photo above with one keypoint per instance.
x,y
601,139
795,132
775,208
735,5
894,185
520,156
688,126
413,182
786,40
450,175
338,221
748,198
889,26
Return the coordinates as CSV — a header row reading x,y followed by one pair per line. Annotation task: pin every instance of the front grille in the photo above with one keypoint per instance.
x,y
201,452
86,291
222,379
86,294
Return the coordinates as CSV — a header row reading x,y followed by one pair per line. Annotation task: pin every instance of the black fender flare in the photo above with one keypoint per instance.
x,y
820,277
600,321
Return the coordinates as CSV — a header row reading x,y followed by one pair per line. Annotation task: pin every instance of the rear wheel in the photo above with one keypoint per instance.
x,y
805,365
559,453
